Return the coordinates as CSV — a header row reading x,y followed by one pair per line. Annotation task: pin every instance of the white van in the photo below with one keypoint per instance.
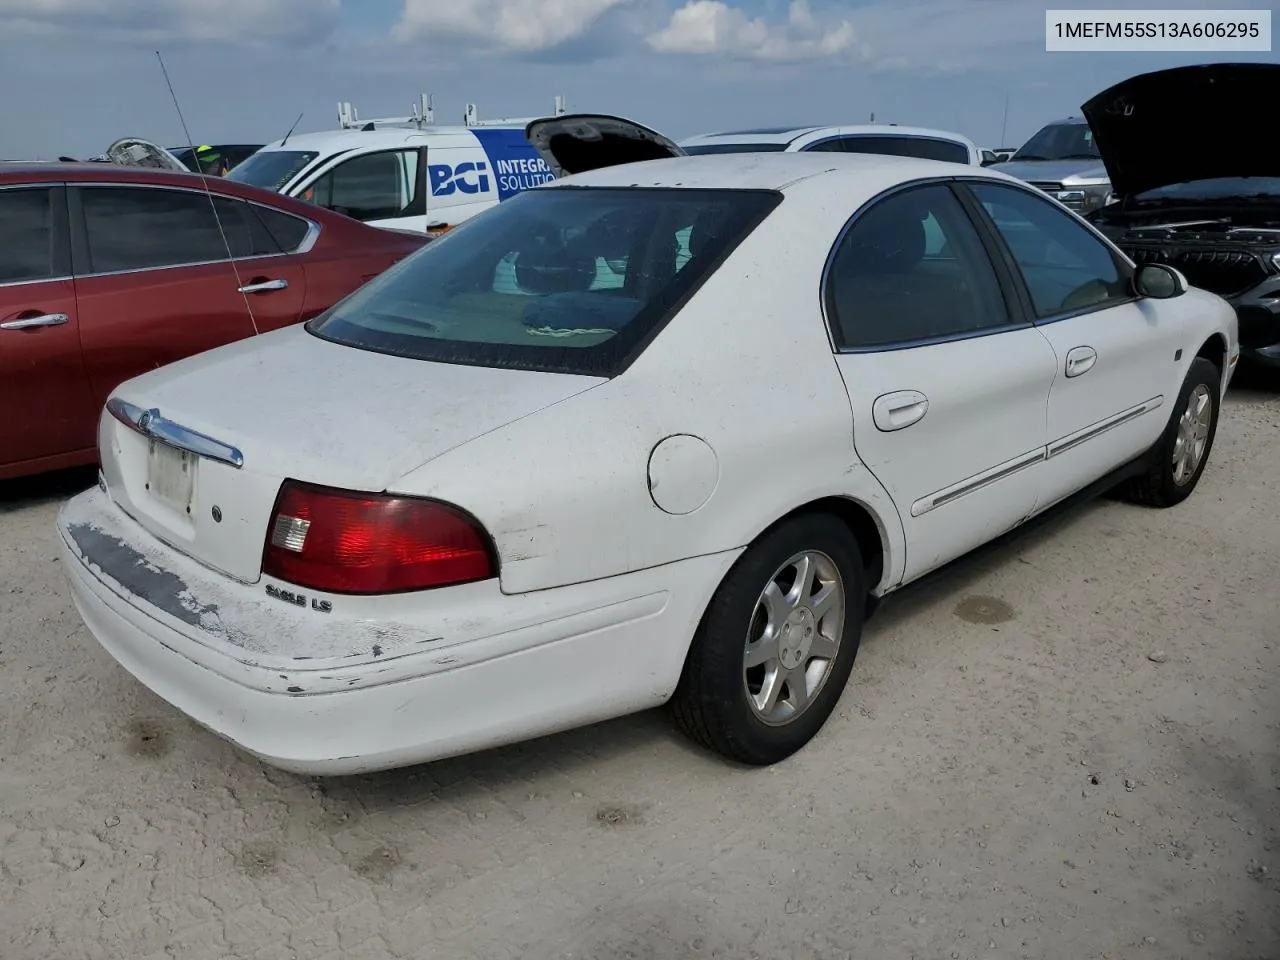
x,y
405,173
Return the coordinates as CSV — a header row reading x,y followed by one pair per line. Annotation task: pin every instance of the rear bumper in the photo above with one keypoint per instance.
x,y
568,657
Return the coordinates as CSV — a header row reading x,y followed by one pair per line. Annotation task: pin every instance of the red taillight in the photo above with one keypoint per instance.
x,y
344,542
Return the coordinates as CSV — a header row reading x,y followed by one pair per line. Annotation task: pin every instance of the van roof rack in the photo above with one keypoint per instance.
x,y
424,115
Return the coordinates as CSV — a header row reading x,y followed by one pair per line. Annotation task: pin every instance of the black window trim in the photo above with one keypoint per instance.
x,y
418,208
1124,266
81,262
1019,319
61,271
624,361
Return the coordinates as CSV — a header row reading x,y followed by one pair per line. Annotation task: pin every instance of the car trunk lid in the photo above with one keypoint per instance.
x,y
578,142
196,451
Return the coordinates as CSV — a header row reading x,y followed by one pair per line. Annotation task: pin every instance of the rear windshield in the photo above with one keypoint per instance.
x,y
561,279
734,148
271,169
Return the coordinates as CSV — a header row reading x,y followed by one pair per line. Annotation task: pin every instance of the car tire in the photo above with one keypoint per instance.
x,y
1180,455
763,632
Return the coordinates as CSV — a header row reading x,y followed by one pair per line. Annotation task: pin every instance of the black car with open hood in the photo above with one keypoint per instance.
x,y
1197,186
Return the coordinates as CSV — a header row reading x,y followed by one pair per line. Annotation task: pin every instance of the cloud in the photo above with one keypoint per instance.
x,y
246,21
523,26
705,27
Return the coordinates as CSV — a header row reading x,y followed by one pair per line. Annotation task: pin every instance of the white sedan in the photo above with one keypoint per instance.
x,y
653,433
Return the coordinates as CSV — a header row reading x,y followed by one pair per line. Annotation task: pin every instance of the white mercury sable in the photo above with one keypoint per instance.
x,y
655,432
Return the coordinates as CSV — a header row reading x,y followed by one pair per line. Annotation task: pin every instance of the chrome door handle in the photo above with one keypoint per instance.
x,y
1080,360
264,286
44,320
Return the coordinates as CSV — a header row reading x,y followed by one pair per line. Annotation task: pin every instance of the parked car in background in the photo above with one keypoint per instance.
x,y
407,173
109,271
885,139
1062,159
1213,213
455,512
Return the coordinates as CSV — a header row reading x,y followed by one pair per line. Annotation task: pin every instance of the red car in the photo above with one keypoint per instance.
x,y
107,272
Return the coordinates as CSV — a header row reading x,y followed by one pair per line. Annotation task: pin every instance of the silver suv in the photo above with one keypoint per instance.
x,y
1063,161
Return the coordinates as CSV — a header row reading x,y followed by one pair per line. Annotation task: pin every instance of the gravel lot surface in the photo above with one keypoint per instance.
x,y
1068,747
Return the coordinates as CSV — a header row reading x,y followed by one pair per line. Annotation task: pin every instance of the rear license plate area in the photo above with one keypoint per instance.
x,y
171,477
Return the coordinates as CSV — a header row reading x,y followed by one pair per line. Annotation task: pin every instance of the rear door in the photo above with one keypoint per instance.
x,y
154,282
947,380
46,408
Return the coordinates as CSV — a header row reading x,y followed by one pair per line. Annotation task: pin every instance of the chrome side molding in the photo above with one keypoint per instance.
x,y
154,426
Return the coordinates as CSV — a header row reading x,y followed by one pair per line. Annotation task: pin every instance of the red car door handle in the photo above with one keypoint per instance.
x,y
40,320
262,286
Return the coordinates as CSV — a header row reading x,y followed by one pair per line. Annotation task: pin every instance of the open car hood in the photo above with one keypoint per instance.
x,y
1188,123
133,152
578,142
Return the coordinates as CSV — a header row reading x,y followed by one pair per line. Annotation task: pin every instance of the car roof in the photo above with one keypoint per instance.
x,y
762,171
12,174
788,134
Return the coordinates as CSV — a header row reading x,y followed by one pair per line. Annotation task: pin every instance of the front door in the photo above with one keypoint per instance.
x,y
1116,374
47,414
948,386
383,188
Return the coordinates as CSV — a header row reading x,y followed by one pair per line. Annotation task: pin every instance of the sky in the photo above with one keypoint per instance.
x,y
78,74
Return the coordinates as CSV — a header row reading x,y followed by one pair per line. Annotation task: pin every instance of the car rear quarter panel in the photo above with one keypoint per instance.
x,y
746,366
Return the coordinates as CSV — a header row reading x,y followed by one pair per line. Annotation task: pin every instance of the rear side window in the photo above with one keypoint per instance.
x,y
141,228
912,269
288,231
923,148
564,279
26,234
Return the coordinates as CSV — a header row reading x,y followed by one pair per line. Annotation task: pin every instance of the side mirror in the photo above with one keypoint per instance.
x,y
1159,281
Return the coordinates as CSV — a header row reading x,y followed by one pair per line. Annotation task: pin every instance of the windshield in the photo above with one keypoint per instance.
x,y
1060,141
734,148
271,169
1216,189
561,279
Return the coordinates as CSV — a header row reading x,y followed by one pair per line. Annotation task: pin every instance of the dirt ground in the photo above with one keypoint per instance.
x,y
1069,748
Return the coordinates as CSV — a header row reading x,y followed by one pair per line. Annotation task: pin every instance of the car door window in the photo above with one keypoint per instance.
x,y
834,145
912,268
143,228
26,235
374,186
1065,267
286,230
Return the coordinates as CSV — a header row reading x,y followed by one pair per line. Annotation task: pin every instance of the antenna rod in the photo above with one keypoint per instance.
x,y
291,129
1005,122
209,193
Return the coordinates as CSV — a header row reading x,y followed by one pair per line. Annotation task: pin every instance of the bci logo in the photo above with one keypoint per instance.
x,y
464,178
